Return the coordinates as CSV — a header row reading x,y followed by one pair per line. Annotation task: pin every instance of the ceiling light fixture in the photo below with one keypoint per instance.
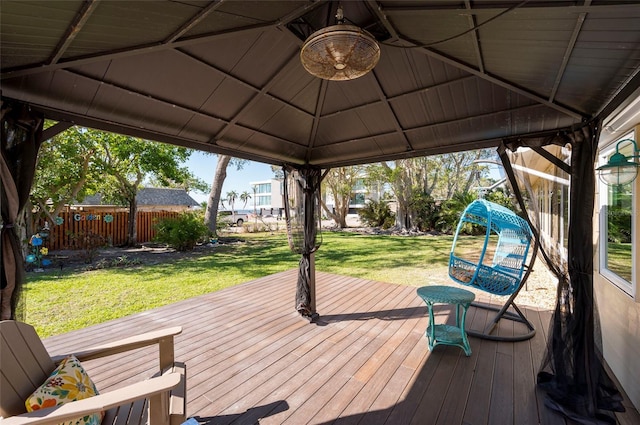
x,y
340,52
619,169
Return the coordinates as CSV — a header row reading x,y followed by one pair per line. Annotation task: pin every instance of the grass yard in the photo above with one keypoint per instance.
x,y
60,302
620,259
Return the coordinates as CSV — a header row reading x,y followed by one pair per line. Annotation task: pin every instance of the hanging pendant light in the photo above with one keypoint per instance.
x,y
340,52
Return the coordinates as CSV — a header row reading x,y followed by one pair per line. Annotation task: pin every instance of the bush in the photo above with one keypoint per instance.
x,y
498,196
88,243
181,233
619,221
451,210
377,214
425,211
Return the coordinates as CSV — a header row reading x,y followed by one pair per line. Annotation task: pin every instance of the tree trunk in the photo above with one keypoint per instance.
x,y
132,238
211,213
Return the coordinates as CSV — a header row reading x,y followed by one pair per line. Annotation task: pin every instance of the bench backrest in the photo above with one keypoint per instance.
x,y
24,365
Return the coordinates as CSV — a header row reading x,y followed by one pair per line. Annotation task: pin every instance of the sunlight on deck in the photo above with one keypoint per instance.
x,y
252,359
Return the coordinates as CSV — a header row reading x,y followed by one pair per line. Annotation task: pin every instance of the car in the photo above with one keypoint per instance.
x,y
234,217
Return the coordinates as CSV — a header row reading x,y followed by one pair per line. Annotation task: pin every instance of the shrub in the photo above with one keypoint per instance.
x,y
122,261
181,233
451,210
377,214
88,243
498,196
425,210
619,221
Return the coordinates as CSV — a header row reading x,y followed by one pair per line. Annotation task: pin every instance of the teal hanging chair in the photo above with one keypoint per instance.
x,y
499,268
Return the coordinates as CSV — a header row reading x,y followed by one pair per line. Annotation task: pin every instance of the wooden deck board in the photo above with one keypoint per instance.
x,y
251,358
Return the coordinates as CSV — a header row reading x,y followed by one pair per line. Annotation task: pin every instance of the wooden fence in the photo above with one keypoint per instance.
x,y
111,227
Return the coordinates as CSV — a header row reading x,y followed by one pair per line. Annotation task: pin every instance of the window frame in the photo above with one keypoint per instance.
x,y
628,287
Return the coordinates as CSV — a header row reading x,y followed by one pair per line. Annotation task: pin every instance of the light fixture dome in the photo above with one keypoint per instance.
x,y
618,171
340,52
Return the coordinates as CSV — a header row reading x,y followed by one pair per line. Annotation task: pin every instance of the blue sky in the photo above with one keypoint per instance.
x,y
204,166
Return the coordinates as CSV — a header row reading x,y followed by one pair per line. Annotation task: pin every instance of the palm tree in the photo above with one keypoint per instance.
x,y
231,197
451,210
244,197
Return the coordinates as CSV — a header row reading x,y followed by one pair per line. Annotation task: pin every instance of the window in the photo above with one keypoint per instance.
x,y
357,199
618,206
263,188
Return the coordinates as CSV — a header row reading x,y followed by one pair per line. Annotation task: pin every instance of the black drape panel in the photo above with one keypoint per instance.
x,y
21,131
311,187
301,199
572,373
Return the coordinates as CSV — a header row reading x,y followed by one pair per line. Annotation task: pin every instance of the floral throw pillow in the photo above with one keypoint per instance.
x,y
69,382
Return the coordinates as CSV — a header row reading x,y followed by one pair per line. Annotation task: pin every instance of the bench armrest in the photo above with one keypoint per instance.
x,y
99,403
162,337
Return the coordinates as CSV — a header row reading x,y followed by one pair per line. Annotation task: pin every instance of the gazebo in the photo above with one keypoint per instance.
x,y
227,77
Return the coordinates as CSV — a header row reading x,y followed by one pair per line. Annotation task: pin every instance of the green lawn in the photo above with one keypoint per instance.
x,y
60,302
619,259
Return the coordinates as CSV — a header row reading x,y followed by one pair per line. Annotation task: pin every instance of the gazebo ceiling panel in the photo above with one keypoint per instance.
x,y
21,43
200,127
374,119
417,70
161,75
351,95
112,25
492,126
367,150
227,99
140,111
299,89
255,143
228,15
226,76
273,117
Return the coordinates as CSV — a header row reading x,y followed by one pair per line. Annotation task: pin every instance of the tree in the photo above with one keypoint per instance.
x,y
459,171
211,213
231,197
278,172
244,197
65,172
409,180
191,183
451,210
126,161
340,183
417,181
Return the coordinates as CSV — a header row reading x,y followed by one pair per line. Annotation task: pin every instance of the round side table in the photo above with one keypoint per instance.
x,y
447,334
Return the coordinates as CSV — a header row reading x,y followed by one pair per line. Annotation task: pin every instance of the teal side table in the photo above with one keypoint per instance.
x,y
447,334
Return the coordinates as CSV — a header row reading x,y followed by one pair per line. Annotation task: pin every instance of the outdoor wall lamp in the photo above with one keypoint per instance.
x,y
620,169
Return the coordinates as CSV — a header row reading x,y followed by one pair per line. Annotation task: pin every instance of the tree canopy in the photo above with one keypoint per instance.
x,y
81,161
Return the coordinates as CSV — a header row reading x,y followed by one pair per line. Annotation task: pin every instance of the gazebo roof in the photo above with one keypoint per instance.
x,y
225,76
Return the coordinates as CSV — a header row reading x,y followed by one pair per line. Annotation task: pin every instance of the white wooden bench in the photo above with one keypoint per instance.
x,y
25,365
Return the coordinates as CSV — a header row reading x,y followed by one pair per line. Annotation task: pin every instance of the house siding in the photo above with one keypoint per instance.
x,y
619,314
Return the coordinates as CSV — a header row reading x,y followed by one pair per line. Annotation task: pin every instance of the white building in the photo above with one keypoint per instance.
x,y
268,197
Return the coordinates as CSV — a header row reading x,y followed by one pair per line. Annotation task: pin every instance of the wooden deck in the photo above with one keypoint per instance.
x,y
251,359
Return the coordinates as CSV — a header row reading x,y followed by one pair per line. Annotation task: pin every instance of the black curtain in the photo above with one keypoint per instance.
x,y
21,132
572,373
301,200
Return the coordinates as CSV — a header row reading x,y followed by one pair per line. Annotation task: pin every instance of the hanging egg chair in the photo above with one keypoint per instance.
x,y
498,269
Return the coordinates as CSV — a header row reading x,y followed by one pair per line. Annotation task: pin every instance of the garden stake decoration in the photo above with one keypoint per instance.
x,y
37,252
